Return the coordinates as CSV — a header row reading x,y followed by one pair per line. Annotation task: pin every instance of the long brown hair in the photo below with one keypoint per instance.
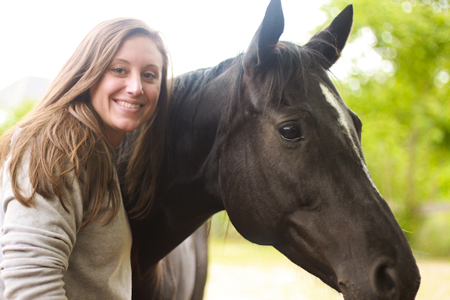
x,y
64,133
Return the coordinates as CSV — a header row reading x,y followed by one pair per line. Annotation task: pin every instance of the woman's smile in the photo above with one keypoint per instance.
x,y
128,105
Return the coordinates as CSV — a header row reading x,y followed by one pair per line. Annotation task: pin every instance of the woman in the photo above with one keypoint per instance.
x,y
65,232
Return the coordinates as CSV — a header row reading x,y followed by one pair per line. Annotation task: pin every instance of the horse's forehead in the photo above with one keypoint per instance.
x,y
342,116
344,124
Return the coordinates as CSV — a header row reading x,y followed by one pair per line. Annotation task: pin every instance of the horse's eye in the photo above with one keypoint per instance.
x,y
290,131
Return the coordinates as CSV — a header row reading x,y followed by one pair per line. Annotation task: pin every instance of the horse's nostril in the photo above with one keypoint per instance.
x,y
384,283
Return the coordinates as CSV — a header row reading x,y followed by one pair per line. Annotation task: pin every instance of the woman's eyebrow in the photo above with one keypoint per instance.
x,y
152,66
126,61
120,59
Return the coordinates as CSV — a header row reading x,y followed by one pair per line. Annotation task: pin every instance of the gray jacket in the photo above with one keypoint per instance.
x,y
46,255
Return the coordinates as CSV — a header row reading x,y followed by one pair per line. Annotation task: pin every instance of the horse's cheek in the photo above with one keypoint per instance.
x,y
244,193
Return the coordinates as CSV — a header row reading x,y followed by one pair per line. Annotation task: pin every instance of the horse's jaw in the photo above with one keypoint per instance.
x,y
356,284
383,275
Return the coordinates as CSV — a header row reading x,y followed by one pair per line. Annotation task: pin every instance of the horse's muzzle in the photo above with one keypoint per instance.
x,y
388,281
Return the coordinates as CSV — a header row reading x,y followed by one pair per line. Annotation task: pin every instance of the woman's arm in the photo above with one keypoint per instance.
x,y
37,241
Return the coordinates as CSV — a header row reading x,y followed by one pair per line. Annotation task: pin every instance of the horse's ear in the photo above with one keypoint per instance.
x,y
266,37
330,41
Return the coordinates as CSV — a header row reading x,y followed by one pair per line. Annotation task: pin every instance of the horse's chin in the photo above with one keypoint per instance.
x,y
350,293
347,293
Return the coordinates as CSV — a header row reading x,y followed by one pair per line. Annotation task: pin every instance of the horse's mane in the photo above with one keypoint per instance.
x,y
191,82
293,63
290,62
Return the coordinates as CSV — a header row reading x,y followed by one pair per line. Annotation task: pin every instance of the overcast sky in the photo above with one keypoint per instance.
x,y
38,36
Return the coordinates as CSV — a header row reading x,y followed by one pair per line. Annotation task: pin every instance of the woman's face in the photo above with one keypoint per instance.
x,y
126,95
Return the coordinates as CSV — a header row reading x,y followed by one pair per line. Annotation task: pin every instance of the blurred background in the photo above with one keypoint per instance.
x,y
394,73
398,84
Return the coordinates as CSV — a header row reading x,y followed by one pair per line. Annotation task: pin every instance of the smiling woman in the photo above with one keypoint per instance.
x,y
126,96
64,229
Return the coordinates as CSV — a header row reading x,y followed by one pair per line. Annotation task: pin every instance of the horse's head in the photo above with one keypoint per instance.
x,y
293,174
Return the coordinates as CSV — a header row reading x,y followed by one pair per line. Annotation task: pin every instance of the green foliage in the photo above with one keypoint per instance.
x,y
434,236
403,100
221,227
12,116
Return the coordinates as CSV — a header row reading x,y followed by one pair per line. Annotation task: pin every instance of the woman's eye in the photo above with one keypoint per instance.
x,y
119,71
149,75
290,131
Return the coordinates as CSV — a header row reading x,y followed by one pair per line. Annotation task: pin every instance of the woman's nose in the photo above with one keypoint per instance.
x,y
134,85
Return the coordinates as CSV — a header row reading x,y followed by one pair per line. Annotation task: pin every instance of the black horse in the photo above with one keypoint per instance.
x,y
266,136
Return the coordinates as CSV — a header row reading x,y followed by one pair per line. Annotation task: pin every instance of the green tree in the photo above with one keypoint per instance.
x,y
398,85
12,116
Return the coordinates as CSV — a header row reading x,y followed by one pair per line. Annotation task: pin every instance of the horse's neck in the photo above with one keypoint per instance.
x,y
198,106
188,192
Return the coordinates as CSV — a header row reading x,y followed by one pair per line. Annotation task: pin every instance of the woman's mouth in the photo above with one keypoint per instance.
x,y
128,105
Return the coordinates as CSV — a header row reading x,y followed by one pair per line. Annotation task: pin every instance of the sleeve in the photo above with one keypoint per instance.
x,y
37,241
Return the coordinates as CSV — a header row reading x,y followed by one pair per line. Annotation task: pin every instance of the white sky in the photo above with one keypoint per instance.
x,y
38,36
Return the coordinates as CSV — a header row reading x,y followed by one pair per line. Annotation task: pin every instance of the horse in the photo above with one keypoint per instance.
x,y
267,137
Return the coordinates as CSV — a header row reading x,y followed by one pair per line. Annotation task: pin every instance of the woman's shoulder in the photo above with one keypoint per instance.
x,y
16,134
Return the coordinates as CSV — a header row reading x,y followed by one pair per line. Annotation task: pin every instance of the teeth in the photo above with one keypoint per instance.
x,y
128,105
